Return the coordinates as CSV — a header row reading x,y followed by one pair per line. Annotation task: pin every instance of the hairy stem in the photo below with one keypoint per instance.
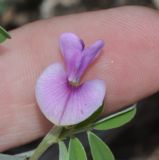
x,y
51,138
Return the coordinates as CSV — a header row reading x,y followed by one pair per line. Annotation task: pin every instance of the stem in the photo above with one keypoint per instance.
x,y
56,134
51,138
66,133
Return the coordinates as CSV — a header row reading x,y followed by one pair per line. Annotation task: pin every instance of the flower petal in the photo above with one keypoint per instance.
x,y
52,92
71,49
83,102
64,104
90,54
70,41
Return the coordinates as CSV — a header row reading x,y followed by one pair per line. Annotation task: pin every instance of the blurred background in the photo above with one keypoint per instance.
x,y
14,13
138,140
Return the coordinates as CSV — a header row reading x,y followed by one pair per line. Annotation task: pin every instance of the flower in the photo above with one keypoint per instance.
x,y
61,97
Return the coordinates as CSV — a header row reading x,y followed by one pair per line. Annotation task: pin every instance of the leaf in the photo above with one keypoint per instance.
x,y
99,150
9,157
26,154
76,150
63,151
116,120
3,34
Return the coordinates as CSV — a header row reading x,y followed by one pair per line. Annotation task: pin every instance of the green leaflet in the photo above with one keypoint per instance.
x,y
63,153
76,150
99,150
8,157
3,34
116,120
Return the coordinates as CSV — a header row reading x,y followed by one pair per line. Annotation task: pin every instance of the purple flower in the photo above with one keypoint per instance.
x,y
61,97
